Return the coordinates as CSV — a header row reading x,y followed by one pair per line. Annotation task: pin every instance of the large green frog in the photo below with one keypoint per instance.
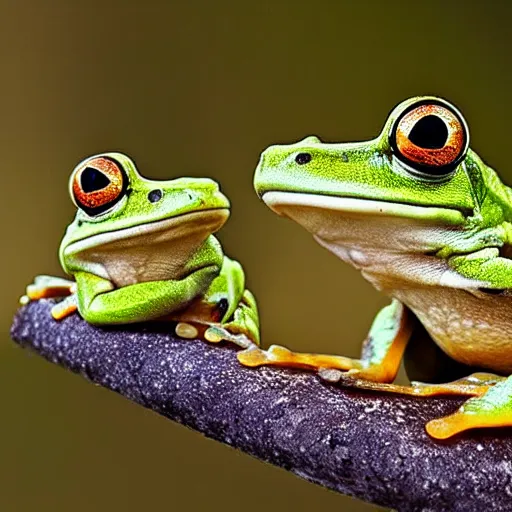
x,y
144,250
427,223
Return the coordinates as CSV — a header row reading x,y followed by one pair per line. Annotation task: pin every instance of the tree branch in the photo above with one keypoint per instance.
x,y
372,446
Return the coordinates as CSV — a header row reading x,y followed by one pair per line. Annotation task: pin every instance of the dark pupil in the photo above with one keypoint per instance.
x,y
430,132
303,158
91,180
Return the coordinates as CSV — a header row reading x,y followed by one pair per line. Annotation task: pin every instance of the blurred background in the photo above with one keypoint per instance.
x,y
200,89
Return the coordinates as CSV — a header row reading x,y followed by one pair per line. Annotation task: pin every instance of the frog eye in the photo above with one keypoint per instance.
x,y
431,138
97,184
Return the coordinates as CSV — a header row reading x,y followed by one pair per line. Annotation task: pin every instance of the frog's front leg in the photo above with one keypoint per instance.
x,y
381,354
99,302
45,287
486,266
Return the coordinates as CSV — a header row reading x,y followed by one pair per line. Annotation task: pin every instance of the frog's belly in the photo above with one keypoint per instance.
x,y
395,253
471,326
475,330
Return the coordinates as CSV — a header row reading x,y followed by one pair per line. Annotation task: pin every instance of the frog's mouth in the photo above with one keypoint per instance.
x,y
284,202
153,251
359,222
192,226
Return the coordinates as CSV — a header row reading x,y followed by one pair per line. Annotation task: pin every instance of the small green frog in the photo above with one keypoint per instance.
x,y
427,223
143,250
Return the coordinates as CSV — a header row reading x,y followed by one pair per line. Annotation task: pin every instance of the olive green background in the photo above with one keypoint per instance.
x,y
201,88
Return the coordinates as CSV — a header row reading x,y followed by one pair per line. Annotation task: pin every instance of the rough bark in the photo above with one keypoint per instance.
x,y
368,445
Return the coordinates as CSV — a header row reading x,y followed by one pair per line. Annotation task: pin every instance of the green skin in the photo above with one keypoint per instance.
x,y
144,260
436,247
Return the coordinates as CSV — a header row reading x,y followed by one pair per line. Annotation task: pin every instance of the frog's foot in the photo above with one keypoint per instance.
x,y
48,286
381,355
186,330
245,321
45,287
368,379
213,333
65,308
492,409
373,378
350,372
216,333
475,384
242,328
280,356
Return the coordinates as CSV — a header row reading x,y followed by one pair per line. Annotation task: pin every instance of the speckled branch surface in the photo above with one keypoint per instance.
x,y
367,445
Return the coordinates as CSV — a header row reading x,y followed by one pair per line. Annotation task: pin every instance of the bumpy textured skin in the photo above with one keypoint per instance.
x,y
371,446
365,169
441,244
148,253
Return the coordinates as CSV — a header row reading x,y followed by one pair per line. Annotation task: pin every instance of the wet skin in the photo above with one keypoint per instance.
x,y
428,223
142,250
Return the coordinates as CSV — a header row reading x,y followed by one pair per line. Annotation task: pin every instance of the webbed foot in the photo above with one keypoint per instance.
x,y
212,334
475,384
281,356
492,409
382,353
216,333
45,287
65,308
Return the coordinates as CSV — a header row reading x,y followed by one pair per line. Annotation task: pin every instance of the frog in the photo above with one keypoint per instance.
x,y
140,250
427,223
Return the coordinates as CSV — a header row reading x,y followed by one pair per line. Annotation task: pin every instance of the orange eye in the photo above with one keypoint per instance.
x,y
430,138
97,184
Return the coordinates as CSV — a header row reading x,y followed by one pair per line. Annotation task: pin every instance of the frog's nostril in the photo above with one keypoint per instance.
x,y
303,158
155,195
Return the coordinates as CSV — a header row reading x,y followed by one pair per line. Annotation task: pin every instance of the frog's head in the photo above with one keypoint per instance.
x,y
418,171
119,210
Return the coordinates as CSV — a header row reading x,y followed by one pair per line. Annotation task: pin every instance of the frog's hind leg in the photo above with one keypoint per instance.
x,y
227,311
381,354
432,372
476,384
492,409
242,328
239,321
